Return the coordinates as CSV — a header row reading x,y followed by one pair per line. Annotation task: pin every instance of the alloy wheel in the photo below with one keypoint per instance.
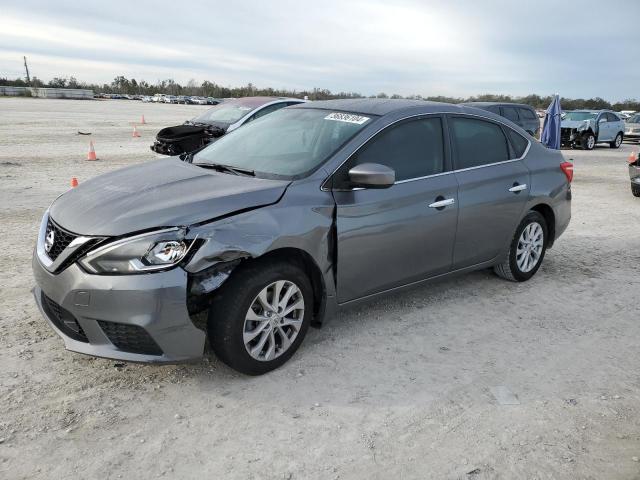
x,y
273,320
530,246
591,142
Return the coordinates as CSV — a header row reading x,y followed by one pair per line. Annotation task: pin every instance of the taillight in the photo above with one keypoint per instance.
x,y
634,158
567,168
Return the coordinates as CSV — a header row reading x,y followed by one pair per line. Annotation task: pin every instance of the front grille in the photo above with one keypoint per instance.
x,y
61,240
130,338
63,320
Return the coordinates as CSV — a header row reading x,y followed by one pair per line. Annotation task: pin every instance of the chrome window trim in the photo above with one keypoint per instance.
x,y
324,188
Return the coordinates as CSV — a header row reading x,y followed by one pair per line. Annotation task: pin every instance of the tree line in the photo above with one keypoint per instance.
x,y
123,85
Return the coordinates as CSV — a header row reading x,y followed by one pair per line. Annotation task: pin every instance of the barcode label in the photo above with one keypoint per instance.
x,y
346,117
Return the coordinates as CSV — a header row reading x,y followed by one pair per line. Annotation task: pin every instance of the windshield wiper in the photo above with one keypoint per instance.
x,y
227,168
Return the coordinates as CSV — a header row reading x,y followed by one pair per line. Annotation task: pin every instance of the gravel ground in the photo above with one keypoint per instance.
x,y
399,388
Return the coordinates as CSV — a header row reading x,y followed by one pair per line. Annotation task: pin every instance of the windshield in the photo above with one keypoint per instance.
x,y
224,113
634,119
286,144
579,116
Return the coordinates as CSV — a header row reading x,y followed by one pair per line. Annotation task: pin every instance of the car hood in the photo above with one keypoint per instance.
x,y
574,123
161,193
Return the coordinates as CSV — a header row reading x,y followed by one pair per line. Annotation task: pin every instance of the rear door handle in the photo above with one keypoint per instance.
x,y
518,188
442,203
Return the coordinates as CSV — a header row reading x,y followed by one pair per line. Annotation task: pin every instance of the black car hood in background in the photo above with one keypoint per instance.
x,y
161,193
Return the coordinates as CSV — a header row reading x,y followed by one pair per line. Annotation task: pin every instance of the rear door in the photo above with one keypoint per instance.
x,y
493,188
405,233
604,128
616,125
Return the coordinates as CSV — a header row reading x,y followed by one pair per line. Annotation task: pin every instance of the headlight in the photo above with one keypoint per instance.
x,y
144,253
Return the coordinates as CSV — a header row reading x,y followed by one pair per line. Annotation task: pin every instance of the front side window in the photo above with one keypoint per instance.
x,y
286,144
412,149
477,142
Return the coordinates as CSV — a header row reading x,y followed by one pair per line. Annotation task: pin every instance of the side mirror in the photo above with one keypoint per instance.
x,y
372,175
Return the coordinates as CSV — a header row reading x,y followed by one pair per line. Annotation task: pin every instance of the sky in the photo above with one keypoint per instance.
x,y
454,48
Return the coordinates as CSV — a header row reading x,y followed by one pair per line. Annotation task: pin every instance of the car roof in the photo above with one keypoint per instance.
x,y
496,104
380,106
590,111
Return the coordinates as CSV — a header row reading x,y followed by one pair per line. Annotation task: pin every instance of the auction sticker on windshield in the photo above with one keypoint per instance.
x,y
346,117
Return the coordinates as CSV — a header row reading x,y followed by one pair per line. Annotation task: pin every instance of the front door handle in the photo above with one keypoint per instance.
x,y
442,202
518,188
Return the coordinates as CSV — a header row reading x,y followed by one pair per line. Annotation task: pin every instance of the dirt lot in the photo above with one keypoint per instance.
x,y
401,388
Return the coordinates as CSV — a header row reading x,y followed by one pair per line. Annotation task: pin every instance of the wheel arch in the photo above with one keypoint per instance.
x,y
550,218
306,262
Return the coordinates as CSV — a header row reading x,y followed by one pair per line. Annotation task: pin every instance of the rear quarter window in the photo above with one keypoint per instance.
x,y
518,143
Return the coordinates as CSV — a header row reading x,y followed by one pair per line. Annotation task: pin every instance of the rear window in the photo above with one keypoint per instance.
x,y
518,143
477,142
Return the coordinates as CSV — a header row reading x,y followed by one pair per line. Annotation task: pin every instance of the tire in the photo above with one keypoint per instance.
x,y
512,268
229,316
589,141
617,141
635,190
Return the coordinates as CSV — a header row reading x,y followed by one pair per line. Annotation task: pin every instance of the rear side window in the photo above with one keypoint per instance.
x,y
612,117
518,142
413,149
477,142
527,114
510,113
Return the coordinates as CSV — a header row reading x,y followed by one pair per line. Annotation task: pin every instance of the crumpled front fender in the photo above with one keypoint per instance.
x,y
299,222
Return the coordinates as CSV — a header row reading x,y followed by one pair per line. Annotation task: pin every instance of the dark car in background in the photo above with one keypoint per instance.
x,y
634,173
277,226
215,122
523,115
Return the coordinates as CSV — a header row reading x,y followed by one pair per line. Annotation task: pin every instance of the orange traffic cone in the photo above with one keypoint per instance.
x,y
74,182
142,122
135,132
92,152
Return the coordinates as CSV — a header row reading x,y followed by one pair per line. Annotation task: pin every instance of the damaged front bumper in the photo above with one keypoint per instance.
x,y
139,318
569,136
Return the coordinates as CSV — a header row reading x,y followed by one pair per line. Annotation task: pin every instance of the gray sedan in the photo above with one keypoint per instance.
x,y
279,224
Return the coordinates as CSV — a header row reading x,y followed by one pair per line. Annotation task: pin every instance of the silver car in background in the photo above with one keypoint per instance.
x,y
279,224
632,128
587,128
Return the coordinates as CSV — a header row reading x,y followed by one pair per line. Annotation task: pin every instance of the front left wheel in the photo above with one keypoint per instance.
x,y
259,317
527,249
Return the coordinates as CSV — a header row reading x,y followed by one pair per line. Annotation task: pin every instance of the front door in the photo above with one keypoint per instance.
x,y
402,234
